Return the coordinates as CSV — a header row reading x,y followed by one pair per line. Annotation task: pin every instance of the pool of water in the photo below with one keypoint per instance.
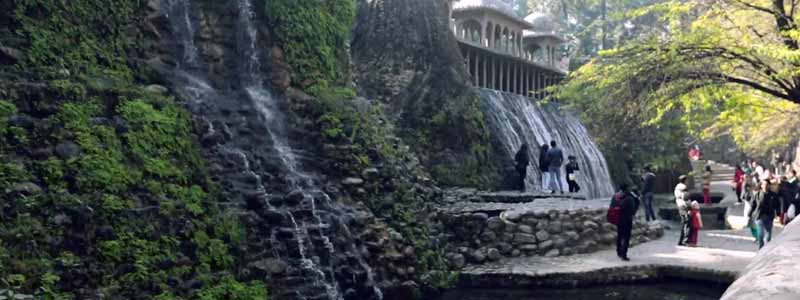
x,y
637,291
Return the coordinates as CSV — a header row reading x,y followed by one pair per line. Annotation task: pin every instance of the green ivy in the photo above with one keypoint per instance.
x,y
314,35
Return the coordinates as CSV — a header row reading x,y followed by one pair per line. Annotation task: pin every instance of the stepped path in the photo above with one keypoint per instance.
x,y
721,254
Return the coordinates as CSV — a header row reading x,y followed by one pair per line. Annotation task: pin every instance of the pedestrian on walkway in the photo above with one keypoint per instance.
x,y
788,192
628,204
681,195
767,207
707,185
696,222
738,180
543,167
793,196
555,158
522,160
648,189
750,189
572,174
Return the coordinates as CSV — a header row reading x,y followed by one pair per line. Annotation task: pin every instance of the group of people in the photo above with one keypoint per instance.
x,y
689,212
767,194
551,160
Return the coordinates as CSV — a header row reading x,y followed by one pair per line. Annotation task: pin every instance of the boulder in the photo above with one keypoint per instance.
x,y
495,223
572,236
516,253
590,225
370,173
552,253
493,254
488,236
26,188
157,89
530,221
457,260
546,245
479,217
554,227
513,215
542,235
525,229
529,248
269,266
504,248
67,149
352,181
478,256
524,238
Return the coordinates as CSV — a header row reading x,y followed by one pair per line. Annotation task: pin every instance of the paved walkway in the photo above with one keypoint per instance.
x,y
725,251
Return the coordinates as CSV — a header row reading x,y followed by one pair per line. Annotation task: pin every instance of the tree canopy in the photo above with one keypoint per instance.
x,y
703,68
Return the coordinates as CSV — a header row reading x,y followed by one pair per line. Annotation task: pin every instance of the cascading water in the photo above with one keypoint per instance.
x,y
312,219
516,120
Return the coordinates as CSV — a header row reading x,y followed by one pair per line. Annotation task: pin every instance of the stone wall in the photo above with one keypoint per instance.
x,y
478,237
774,273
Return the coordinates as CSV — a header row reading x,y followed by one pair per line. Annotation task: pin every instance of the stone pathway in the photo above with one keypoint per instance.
x,y
721,251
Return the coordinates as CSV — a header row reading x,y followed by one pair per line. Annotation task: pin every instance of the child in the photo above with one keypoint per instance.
x,y
696,223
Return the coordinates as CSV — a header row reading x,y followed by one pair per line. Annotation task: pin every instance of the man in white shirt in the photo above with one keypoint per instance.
x,y
681,197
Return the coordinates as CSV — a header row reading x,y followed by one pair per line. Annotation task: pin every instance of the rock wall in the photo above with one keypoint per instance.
x,y
478,237
774,273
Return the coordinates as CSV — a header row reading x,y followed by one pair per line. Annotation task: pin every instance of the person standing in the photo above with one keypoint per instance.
x,y
738,180
767,207
572,174
681,195
792,196
543,167
707,185
628,204
750,189
523,160
648,189
555,158
696,222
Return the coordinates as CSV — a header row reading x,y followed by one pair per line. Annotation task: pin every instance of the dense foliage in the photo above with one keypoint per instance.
x,y
727,67
102,184
314,36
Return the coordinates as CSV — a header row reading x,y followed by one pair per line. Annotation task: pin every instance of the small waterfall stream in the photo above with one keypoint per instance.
x,y
312,220
515,119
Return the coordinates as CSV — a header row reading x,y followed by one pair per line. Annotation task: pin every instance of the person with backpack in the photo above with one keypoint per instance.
x,y
681,196
522,161
555,158
572,174
622,210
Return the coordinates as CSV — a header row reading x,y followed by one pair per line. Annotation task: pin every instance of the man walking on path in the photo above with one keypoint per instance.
x,y
628,204
767,207
681,195
555,158
648,186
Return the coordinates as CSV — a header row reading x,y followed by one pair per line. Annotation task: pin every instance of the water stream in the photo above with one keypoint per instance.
x,y
515,119
312,222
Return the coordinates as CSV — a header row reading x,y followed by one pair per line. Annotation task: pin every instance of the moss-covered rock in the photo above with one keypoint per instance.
x,y
103,186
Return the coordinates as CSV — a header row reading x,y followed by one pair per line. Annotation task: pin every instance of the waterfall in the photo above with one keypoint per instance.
x,y
514,120
314,229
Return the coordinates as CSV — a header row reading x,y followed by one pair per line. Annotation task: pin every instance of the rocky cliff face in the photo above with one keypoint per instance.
x,y
405,55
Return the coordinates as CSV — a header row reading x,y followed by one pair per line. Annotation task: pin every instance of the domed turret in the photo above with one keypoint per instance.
x,y
542,22
503,6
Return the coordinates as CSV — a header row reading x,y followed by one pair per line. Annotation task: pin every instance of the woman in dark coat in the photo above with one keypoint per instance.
x,y
523,160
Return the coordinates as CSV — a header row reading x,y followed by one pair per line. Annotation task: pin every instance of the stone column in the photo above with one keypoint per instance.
x,y
501,72
485,62
477,74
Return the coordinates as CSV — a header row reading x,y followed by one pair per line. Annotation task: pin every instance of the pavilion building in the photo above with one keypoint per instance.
x,y
505,52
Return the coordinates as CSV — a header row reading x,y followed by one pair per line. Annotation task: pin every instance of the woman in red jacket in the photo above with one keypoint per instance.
x,y
738,180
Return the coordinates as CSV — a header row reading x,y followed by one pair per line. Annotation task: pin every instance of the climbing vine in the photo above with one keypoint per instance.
x,y
314,35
